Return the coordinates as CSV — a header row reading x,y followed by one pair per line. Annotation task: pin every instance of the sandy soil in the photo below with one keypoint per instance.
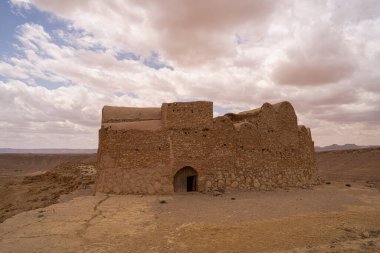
x,y
57,212
19,193
328,218
359,165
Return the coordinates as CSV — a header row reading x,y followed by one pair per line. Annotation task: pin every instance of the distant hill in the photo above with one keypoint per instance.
x,y
342,147
355,165
47,151
20,164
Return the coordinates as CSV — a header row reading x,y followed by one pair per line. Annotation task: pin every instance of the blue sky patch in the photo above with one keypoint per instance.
x,y
220,110
123,55
132,94
49,84
119,93
154,62
11,17
3,79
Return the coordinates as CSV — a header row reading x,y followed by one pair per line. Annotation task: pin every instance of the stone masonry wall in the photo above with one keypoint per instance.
x,y
186,114
262,149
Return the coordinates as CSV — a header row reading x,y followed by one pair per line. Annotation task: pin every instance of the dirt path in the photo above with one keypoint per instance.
x,y
329,218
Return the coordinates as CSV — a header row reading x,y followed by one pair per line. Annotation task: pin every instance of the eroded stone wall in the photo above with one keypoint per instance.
x,y
186,114
262,149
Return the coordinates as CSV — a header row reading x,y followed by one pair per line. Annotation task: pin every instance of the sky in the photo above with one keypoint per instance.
x,y
62,61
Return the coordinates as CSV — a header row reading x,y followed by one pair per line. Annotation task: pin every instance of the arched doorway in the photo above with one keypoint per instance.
x,y
185,180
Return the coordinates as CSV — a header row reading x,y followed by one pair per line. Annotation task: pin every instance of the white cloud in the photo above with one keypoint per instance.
x,y
324,59
25,4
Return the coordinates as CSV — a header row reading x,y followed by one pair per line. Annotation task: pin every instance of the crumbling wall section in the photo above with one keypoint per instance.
x,y
269,151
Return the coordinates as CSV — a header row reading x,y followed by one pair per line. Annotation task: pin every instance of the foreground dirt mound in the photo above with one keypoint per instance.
x,y
22,164
19,194
358,165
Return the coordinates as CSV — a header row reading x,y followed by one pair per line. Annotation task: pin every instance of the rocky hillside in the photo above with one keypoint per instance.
x,y
359,165
18,194
23,164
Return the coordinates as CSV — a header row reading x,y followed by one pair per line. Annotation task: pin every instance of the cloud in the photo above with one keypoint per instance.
x,y
302,70
187,32
198,31
238,54
21,3
355,10
35,114
318,56
11,71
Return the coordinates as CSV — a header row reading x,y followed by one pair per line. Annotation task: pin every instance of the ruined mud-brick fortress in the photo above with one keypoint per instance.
x,y
180,147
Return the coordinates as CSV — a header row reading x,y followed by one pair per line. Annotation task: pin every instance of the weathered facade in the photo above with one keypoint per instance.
x,y
181,147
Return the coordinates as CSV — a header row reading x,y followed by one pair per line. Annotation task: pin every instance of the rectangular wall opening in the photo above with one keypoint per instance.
x,y
191,183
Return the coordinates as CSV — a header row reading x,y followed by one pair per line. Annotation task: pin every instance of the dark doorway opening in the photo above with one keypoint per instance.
x,y
191,184
185,180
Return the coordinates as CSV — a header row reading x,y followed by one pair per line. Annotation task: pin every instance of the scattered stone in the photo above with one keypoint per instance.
x,y
218,192
371,243
347,229
365,234
375,233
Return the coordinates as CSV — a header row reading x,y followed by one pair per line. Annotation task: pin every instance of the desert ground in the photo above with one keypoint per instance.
x,y
30,181
358,165
30,164
57,211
